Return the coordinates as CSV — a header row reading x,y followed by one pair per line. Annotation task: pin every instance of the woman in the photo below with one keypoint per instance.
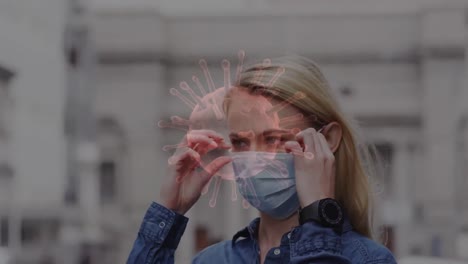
x,y
295,158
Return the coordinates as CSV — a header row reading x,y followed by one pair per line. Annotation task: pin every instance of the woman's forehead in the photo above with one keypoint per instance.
x,y
258,113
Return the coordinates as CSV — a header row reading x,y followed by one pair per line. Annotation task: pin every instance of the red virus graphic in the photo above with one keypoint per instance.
x,y
207,114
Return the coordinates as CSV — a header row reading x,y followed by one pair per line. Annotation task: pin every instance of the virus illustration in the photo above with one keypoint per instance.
x,y
207,113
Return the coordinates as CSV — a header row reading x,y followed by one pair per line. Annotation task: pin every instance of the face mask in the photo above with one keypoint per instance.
x,y
267,181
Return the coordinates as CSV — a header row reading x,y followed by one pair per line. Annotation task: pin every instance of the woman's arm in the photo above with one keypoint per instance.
x,y
158,237
163,225
313,243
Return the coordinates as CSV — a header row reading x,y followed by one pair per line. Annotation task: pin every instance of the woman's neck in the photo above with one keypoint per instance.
x,y
271,230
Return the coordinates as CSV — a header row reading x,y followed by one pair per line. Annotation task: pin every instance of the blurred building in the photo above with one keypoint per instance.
x,y
82,90
32,81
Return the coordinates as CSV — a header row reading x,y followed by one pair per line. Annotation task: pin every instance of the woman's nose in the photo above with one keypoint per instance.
x,y
261,147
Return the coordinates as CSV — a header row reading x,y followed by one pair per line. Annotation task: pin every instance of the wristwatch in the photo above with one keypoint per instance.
x,y
326,212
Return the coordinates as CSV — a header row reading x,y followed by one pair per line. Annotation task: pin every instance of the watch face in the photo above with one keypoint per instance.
x,y
331,212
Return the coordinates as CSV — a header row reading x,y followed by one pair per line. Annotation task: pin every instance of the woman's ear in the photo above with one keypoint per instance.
x,y
333,133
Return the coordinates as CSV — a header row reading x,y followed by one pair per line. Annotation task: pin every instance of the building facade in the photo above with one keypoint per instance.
x,y
32,80
82,155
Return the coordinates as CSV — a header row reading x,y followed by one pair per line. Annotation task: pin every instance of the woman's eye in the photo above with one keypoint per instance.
x,y
239,144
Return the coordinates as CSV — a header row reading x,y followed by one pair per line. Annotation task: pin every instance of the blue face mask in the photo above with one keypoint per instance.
x,y
267,181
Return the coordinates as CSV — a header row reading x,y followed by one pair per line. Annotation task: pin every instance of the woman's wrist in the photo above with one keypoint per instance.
x,y
173,207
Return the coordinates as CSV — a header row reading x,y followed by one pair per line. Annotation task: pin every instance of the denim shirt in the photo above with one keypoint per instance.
x,y
162,230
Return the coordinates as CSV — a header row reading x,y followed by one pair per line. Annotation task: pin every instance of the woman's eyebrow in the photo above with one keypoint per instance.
x,y
239,135
277,131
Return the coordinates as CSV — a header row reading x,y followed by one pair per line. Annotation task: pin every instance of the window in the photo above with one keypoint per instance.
x,y
4,232
5,76
30,231
110,138
34,231
6,175
461,166
107,181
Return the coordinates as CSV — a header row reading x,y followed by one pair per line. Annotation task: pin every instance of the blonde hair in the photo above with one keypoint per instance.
x,y
283,78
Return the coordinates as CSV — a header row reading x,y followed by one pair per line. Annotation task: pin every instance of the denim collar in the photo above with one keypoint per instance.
x,y
251,230
248,232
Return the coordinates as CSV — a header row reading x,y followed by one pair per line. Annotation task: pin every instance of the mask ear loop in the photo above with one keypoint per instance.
x,y
318,123
321,129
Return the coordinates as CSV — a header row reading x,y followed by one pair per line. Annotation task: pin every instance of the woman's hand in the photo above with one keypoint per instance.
x,y
182,189
315,166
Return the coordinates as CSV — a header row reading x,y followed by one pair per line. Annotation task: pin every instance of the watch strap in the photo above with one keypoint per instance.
x,y
310,213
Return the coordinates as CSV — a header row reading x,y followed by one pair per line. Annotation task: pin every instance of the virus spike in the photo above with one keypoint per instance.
x,y
259,74
278,73
184,99
176,146
309,155
209,80
172,160
179,121
199,85
279,179
257,77
184,86
278,107
219,115
245,204
233,191
294,119
272,173
279,166
214,195
206,188
240,65
251,189
166,124
227,74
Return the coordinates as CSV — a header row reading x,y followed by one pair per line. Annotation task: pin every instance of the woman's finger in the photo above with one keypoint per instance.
x,y
214,166
194,139
317,146
329,163
187,162
202,144
183,155
209,133
306,136
325,147
300,139
207,136
293,147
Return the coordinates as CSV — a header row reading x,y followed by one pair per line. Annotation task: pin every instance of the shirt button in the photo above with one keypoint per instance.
x,y
162,225
289,235
277,251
